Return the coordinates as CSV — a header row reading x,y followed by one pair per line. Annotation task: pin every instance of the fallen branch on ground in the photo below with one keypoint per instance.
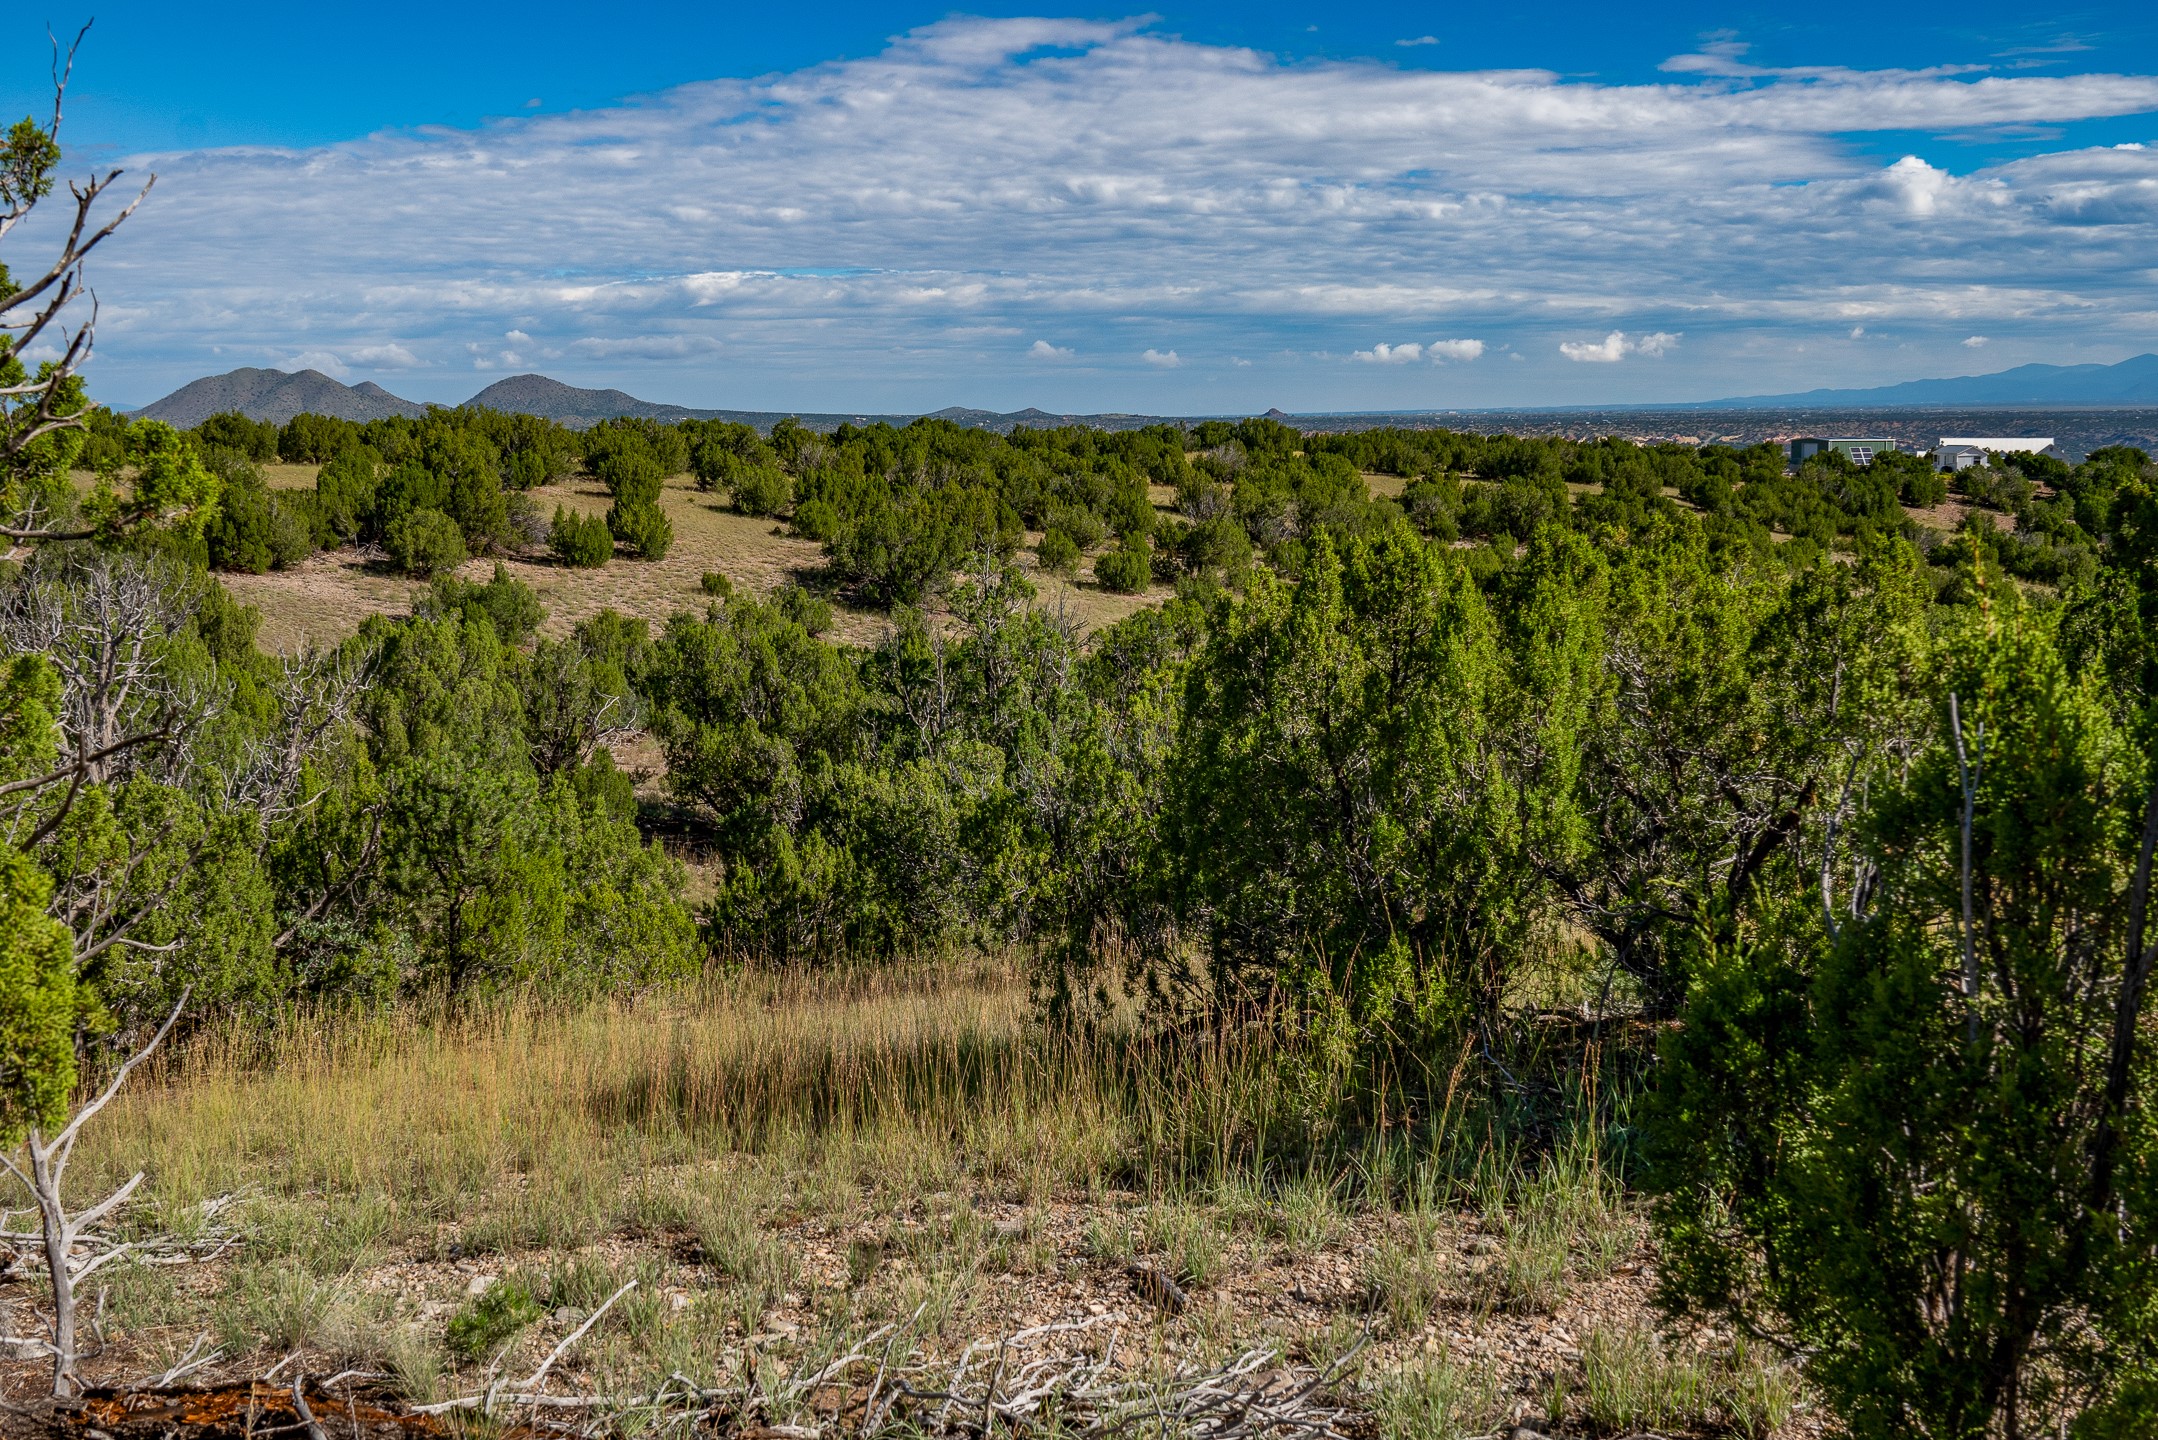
x,y
876,1386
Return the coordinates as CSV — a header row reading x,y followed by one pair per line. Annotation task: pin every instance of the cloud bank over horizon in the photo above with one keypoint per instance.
x,y
1089,215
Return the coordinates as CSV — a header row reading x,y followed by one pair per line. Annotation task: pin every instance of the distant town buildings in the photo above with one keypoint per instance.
x,y
1860,450
1955,452
1961,452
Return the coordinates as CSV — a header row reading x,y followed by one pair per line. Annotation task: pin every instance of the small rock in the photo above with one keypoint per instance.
x,y
568,1315
678,1301
480,1285
1095,1307
28,1349
1013,1229
1525,1432
1480,1245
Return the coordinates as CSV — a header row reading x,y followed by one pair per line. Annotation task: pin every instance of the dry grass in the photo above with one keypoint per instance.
x,y
325,599
784,1162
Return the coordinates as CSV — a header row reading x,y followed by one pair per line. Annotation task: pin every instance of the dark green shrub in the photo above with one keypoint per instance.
x,y
1904,1135
1923,488
643,527
816,520
1058,553
716,585
230,430
762,490
631,474
314,439
1125,570
425,543
239,536
293,523
1433,505
582,542
812,612
1131,510
1085,527
508,604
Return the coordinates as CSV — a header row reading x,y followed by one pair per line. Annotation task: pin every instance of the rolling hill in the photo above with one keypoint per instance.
x,y
276,396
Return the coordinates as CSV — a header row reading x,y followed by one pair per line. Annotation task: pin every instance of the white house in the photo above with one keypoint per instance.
x,y
1961,452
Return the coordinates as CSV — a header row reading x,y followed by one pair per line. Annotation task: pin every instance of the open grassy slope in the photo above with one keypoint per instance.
x,y
326,598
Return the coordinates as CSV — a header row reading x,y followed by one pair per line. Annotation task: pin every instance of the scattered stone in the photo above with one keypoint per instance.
x,y
480,1285
1012,1229
568,1315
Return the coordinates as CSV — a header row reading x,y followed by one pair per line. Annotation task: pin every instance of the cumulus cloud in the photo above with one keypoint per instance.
x,y
323,360
1043,350
1438,352
1974,342
1167,359
1617,345
1419,40
385,357
1607,351
981,178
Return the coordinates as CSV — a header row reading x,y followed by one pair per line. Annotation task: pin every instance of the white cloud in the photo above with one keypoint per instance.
x,y
1617,346
1609,350
329,364
1043,350
980,178
386,357
1858,332
1419,40
1438,352
1974,342
1167,359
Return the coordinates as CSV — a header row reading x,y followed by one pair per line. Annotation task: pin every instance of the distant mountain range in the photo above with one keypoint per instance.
x,y
2131,382
277,396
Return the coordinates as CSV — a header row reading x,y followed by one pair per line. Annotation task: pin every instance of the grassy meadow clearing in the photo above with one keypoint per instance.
x,y
325,598
785,1164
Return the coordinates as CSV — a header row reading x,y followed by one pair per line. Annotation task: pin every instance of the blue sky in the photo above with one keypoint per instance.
x,y
1210,208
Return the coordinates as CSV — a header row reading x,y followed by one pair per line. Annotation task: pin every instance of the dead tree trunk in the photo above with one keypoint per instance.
x,y
43,1166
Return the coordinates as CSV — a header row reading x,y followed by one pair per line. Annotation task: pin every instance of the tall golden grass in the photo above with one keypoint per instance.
x,y
903,1080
